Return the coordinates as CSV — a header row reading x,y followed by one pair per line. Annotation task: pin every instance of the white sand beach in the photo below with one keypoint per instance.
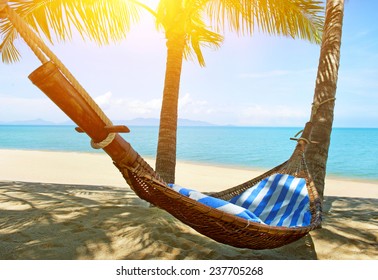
x,y
60,205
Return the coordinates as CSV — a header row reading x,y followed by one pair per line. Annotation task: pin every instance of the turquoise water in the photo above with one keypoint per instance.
x,y
353,152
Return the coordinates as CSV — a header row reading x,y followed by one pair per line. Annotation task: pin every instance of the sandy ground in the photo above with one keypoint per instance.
x,y
57,205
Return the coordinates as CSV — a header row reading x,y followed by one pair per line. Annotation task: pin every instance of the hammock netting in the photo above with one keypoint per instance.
x,y
272,210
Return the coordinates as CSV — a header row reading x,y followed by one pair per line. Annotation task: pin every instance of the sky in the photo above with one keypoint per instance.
x,y
250,81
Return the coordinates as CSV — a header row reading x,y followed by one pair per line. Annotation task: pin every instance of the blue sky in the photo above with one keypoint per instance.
x,y
258,81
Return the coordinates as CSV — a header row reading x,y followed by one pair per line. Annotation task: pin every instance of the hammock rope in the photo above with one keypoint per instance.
x,y
104,143
316,105
56,81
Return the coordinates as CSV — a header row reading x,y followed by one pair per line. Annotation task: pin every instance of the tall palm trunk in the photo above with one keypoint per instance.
x,y
325,92
166,150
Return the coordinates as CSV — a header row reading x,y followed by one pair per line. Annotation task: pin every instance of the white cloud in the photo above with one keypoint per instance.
x,y
104,100
189,105
200,109
259,114
273,115
128,108
19,109
144,107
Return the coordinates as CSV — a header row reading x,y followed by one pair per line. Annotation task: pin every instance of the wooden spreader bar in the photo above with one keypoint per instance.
x,y
49,79
109,129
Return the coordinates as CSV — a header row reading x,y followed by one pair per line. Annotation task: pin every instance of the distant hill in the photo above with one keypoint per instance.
x,y
133,122
155,122
186,122
29,122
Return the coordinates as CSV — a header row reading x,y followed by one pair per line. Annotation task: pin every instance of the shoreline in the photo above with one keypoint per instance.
x,y
151,161
260,170
98,169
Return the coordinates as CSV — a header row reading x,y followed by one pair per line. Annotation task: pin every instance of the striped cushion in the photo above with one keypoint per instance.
x,y
217,203
278,200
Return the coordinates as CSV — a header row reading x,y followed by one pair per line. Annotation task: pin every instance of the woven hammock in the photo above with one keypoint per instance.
x,y
54,79
218,225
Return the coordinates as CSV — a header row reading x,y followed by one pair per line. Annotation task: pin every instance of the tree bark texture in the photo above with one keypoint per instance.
x,y
166,150
325,93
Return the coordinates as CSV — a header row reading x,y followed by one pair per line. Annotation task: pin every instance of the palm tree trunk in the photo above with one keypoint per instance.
x,y
325,92
166,150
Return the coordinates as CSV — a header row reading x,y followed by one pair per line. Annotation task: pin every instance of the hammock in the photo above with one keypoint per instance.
x,y
272,210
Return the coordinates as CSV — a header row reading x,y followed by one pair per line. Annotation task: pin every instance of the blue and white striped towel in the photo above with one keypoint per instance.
x,y
278,200
217,203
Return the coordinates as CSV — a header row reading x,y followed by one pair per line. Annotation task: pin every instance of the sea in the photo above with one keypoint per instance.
x,y
353,151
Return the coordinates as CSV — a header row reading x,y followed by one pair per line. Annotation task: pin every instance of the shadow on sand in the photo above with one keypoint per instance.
x,y
350,226
53,221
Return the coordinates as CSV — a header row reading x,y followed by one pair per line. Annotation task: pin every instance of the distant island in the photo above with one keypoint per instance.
x,y
133,122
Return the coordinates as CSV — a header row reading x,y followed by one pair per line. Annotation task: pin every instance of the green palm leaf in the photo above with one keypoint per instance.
x,y
8,50
101,21
202,38
294,18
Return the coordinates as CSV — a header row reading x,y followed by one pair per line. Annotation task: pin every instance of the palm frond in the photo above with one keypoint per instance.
x,y
199,38
295,18
226,14
101,21
184,19
9,52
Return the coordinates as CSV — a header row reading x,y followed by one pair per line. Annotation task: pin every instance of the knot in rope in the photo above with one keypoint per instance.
x,y
104,142
301,138
316,105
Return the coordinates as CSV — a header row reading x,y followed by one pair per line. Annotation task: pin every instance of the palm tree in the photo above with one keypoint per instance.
x,y
186,31
325,92
183,22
